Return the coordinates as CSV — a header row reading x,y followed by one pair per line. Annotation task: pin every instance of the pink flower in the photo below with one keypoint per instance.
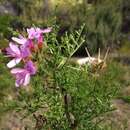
x,y
30,45
17,53
23,75
35,33
31,33
21,40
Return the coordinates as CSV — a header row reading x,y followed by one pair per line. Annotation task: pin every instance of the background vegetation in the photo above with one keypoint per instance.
x,y
103,19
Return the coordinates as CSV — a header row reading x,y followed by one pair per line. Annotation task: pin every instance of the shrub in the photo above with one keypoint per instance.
x,y
62,95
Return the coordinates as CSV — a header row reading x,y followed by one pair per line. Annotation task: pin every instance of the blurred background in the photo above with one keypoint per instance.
x,y
106,21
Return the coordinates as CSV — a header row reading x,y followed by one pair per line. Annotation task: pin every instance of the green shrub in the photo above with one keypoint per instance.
x,y
63,96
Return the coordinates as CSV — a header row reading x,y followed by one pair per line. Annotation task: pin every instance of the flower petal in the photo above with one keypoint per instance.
x,y
47,30
17,70
19,82
25,52
31,33
16,84
30,67
14,48
27,79
19,40
13,62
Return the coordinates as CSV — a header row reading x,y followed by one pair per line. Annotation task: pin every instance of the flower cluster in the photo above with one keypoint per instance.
x,y
20,50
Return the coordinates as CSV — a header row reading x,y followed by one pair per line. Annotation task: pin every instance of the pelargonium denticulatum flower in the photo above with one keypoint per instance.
x,y
37,34
20,40
20,50
28,43
17,53
22,75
